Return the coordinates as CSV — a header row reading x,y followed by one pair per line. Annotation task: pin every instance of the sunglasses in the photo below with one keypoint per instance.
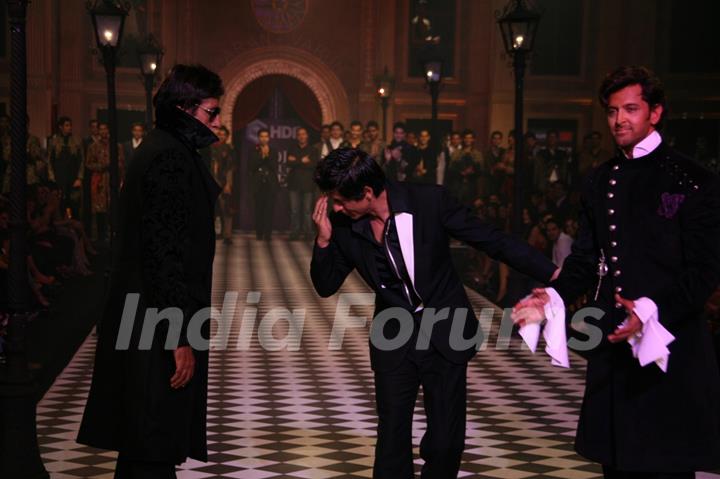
x,y
212,113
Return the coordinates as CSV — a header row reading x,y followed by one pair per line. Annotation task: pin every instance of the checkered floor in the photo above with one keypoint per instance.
x,y
309,413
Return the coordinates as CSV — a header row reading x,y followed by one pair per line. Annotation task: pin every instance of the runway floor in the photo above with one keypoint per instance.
x,y
309,413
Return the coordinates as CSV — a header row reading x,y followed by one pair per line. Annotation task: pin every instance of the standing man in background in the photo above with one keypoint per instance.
x,y
302,159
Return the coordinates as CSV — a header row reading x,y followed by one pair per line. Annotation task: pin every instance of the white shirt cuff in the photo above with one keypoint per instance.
x,y
651,346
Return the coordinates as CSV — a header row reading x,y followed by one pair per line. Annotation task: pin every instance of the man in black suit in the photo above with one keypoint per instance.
x,y
397,237
648,250
151,404
130,146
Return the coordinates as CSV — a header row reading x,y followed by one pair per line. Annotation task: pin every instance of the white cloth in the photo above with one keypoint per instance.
x,y
136,143
553,332
651,347
647,146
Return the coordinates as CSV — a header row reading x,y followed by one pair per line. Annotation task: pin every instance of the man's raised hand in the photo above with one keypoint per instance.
x,y
322,222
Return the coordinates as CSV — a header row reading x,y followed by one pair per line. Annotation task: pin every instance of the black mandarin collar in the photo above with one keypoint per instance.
x,y
185,127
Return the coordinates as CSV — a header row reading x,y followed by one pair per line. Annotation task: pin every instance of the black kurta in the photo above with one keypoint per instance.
x,y
657,219
164,252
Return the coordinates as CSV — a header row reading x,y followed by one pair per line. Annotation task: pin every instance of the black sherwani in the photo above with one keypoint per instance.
x,y
164,252
657,219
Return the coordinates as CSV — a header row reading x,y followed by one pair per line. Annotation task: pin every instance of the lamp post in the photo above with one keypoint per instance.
x,y
518,24
108,19
432,63
150,56
384,84
19,452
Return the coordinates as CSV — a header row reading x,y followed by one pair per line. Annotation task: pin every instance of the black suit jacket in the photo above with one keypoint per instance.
x,y
434,217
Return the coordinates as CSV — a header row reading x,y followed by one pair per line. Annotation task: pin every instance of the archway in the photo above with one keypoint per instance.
x,y
290,61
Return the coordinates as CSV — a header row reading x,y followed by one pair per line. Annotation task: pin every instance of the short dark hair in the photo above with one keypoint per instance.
x,y
301,128
263,130
400,125
454,132
186,86
103,123
348,171
94,120
652,89
496,132
356,123
62,120
337,123
467,131
371,124
325,126
137,123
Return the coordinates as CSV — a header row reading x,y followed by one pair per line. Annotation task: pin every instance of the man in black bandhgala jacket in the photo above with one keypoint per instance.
x,y
150,404
396,235
650,224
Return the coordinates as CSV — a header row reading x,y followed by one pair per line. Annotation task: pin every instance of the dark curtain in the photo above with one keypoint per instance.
x,y
303,101
251,100
258,93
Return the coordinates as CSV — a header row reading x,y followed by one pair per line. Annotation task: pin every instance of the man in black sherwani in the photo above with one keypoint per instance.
x,y
649,244
151,404
396,235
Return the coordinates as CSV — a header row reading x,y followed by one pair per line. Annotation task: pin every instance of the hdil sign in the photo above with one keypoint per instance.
x,y
283,132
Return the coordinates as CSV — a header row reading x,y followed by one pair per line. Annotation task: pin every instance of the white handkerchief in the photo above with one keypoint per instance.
x,y
553,332
651,347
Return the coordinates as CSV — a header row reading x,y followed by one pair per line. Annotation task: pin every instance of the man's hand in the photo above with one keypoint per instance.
x,y
632,325
531,309
322,222
184,367
77,183
555,275
305,160
292,158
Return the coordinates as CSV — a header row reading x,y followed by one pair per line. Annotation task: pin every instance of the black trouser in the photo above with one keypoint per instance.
x,y
264,211
444,391
612,473
132,469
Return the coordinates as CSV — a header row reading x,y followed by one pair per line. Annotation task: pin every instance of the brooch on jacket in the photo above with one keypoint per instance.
x,y
669,204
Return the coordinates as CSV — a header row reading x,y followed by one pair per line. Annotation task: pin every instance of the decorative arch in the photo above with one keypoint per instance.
x,y
284,60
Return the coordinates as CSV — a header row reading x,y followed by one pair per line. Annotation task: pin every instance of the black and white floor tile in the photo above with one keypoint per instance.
x,y
308,411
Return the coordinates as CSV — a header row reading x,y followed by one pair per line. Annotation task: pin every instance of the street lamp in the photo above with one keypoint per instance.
x,y
150,56
108,19
384,84
518,24
19,452
432,63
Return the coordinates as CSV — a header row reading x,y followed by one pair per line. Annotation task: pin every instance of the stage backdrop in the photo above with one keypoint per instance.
x,y
281,104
